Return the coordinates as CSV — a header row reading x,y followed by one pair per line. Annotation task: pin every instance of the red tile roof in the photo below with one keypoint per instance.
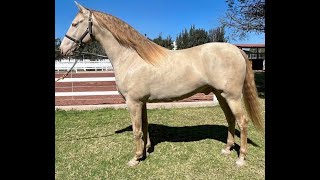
x,y
250,45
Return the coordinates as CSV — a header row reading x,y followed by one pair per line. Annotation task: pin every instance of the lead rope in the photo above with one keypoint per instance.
x,y
66,74
80,49
72,81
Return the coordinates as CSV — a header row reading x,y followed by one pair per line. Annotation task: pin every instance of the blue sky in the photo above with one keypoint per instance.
x,y
168,17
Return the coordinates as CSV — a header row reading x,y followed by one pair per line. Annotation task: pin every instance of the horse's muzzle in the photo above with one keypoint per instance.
x,y
67,51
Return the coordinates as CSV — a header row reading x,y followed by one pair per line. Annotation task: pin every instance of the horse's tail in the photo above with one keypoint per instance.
x,y
250,96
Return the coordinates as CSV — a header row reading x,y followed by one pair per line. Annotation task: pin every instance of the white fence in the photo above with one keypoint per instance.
x,y
83,65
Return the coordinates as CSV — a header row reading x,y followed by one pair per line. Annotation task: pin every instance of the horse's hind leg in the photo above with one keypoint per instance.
x,y
231,123
237,110
135,109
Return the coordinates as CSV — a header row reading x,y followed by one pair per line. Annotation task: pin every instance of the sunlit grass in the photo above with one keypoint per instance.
x,y
97,144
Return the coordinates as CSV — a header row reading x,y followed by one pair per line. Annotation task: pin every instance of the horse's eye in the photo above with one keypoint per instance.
x,y
75,24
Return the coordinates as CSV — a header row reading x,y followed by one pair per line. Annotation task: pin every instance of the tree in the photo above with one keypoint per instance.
x,y
57,53
182,39
198,37
167,42
244,16
57,43
93,47
217,35
191,38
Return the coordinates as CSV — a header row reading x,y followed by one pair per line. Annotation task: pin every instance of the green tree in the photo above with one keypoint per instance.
x,y
95,48
191,38
167,42
182,39
217,35
198,37
57,43
57,53
244,16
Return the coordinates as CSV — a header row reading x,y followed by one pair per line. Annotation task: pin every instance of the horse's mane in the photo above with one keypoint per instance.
x,y
128,37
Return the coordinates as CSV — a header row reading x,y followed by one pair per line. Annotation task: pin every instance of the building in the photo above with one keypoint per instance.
x,y
256,53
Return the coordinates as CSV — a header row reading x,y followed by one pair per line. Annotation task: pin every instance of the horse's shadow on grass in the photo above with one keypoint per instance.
x,y
160,133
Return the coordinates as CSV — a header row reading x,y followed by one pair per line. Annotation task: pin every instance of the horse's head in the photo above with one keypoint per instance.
x,y
79,33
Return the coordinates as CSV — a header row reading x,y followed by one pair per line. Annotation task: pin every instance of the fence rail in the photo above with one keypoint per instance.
x,y
93,88
83,65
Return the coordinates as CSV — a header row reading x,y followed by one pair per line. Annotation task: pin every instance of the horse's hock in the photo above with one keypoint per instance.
x,y
95,88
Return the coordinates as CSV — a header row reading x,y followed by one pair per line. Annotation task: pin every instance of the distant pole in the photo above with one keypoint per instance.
x,y
175,47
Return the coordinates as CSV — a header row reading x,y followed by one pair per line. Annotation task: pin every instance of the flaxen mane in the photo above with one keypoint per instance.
x,y
128,37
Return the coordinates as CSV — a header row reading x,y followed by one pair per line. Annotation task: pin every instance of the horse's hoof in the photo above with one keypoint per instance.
x,y
133,162
240,162
225,151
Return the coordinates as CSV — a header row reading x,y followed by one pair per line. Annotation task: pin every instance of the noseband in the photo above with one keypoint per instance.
x,y
88,31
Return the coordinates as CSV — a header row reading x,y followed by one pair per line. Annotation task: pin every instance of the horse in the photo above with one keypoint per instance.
x,y
146,72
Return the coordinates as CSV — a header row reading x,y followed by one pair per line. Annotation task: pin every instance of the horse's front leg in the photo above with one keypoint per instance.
x,y
135,110
145,125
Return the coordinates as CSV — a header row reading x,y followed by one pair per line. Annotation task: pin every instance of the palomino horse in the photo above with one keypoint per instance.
x,y
146,72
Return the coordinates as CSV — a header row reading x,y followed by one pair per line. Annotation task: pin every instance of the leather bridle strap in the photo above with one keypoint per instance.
x,y
88,31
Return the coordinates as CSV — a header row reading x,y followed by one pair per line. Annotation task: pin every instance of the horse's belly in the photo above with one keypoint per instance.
x,y
173,92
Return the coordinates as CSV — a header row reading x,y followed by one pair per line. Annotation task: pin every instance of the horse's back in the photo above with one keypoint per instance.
x,y
215,63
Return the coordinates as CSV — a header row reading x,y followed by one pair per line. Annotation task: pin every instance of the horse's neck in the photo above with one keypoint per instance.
x,y
117,54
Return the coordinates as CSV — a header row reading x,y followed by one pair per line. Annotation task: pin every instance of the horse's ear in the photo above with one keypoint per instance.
x,y
81,8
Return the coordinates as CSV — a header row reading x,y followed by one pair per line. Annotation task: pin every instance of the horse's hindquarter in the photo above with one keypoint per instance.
x,y
221,64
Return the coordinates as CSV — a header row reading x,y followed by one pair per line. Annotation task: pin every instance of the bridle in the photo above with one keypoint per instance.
x,y
88,31
79,43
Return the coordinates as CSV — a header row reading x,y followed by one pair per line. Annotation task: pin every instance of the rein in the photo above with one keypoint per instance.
x,y
79,43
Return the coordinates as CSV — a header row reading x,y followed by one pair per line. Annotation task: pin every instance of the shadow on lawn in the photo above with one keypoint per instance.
x,y
161,133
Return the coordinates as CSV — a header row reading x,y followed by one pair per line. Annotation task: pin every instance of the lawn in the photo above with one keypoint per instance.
x,y
187,142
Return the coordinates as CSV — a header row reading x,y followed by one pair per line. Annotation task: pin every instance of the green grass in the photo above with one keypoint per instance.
x,y
97,144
